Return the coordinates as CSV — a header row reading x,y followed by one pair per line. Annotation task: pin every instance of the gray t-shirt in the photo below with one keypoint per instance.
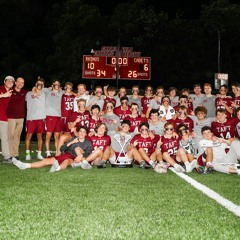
x,y
196,100
93,100
135,100
154,104
209,104
36,106
53,102
108,120
157,129
174,101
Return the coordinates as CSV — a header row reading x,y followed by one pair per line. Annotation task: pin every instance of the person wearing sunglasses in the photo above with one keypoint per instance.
x,y
145,143
109,92
172,152
166,111
123,110
110,118
186,142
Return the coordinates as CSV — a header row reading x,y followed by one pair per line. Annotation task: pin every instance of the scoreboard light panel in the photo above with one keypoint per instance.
x,y
105,67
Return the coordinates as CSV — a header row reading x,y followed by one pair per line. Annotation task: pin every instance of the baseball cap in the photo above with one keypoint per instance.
x,y
9,78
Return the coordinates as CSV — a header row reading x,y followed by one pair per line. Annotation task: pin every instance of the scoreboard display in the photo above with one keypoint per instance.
x,y
107,67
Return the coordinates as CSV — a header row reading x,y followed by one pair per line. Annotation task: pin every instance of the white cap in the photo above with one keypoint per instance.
x,y
9,78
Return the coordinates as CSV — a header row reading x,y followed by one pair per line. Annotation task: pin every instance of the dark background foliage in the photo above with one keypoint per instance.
x,y
49,38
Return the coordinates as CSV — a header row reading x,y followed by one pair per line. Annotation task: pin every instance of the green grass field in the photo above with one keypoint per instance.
x,y
113,204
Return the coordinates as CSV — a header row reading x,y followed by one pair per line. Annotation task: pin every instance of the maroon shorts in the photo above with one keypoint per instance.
x,y
202,159
65,124
35,126
54,124
64,157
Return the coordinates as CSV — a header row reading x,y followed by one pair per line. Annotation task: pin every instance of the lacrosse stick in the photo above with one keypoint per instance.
x,y
117,137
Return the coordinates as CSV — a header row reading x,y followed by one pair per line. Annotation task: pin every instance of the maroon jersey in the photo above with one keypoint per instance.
x,y
170,145
67,105
187,121
17,104
122,113
108,99
145,102
236,100
225,130
93,123
147,144
237,130
84,118
135,122
226,100
100,142
3,105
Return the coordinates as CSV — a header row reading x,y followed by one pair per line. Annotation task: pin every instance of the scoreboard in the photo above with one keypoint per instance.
x,y
107,67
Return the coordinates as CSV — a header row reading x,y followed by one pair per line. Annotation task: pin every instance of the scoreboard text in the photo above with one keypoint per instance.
x,y
107,67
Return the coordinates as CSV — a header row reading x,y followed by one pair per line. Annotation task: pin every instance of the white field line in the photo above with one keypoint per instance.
x,y
210,193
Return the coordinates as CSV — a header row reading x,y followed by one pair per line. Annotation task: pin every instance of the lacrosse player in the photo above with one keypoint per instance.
x,y
213,154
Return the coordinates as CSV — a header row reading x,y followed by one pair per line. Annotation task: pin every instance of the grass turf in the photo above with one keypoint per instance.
x,y
113,204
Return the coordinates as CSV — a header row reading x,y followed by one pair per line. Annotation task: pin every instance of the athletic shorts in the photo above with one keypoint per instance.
x,y
113,159
35,126
65,124
64,157
54,124
202,159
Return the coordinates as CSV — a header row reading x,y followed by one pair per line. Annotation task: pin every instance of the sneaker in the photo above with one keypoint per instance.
x,y
55,167
209,168
153,163
200,169
102,164
85,165
40,157
144,165
159,168
28,157
8,160
191,166
179,168
75,165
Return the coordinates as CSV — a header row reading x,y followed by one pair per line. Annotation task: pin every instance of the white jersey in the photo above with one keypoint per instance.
x,y
53,102
166,113
36,106
218,148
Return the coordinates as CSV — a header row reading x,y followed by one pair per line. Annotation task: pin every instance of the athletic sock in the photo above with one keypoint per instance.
x,y
48,153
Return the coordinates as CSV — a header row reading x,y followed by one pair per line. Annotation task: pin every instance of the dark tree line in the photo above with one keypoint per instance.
x,y
48,38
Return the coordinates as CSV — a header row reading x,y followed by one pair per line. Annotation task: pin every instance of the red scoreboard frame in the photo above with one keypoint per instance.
x,y
105,67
